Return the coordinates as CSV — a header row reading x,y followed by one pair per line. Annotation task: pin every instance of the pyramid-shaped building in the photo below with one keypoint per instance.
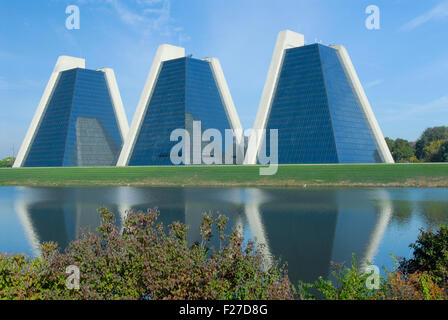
x,y
80,120
180,91
315,100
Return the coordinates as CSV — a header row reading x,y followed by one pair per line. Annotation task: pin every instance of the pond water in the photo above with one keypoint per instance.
x,y
307,228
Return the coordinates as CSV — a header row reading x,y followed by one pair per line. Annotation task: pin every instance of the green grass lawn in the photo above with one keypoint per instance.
x,y
405,175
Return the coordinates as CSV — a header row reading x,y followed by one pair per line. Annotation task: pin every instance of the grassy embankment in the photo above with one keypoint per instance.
x,y
397,175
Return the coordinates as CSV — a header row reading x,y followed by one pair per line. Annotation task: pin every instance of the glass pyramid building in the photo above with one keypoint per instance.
x,y
80,121
179,92
314,99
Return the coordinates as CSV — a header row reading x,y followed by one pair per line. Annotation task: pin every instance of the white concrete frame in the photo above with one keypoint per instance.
x,y
366,109
65,63
167,52
286,39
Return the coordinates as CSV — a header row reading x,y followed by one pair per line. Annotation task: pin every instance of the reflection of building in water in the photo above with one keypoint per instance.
x,y
323,226
301,233
253,215
169,201
383,215
189,205
305,228
61,214
361,227
217,200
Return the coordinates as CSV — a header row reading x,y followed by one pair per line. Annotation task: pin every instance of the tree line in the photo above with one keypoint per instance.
x,y
432,146
7,162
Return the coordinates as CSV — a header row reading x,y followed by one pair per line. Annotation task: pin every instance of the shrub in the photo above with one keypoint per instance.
x,y
430,254
147,261
415,160
350,284
416,286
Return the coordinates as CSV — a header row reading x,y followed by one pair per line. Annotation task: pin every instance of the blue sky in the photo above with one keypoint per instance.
x,y
403,66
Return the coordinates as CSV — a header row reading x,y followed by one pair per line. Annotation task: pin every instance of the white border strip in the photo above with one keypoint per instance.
x,y
286,39
350,71
63,63
164,52
227,101
116,102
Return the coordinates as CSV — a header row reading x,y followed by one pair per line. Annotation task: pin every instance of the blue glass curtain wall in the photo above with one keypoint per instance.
x,y
79,127
185,91
316,112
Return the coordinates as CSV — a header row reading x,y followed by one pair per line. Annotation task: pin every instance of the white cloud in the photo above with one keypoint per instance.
x,y
439,12
22,84
436,105
126,15
398,111
374,83
147,17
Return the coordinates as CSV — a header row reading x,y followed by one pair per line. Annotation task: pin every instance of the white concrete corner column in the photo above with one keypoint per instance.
x,y
116,102
63,63
286,39
361,96
229,105
165,52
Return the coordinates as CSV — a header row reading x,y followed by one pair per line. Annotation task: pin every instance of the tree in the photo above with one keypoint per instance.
x,y
7,162
428,136
403,150
444,152
433,152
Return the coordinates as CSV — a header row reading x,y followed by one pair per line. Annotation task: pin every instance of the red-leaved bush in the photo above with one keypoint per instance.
x,y
147,262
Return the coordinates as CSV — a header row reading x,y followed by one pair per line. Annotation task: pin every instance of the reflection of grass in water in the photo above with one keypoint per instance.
x,y
434,213
402,211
